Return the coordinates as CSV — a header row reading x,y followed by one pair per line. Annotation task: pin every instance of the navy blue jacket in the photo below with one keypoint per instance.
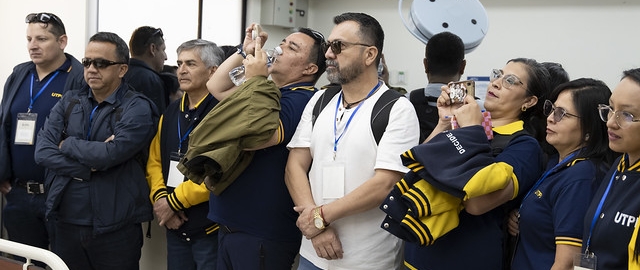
x,y
118,188
148,82
75,80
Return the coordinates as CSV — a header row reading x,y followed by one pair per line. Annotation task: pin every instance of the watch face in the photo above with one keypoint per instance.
x,y
318,222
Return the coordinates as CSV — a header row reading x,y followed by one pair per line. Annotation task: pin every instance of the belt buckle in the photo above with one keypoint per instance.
x,y
35,188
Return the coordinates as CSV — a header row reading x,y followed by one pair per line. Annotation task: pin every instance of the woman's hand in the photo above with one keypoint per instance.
x,y
468,114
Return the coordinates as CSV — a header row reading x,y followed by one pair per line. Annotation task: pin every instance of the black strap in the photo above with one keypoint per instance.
x,y
330,91
379,114
499,142
67,113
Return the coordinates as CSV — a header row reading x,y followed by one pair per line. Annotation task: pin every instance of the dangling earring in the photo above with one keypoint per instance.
x,y
524,108
586,137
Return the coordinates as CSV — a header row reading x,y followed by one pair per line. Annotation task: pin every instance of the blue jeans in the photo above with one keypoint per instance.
x,y
196,254
24,218
239,250
305,264
81,250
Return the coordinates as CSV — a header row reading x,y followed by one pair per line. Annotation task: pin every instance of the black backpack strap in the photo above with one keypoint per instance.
x,y
499,142
381,111
331,90
67,113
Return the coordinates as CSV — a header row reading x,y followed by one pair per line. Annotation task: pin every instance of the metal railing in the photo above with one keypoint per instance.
x,y
32,253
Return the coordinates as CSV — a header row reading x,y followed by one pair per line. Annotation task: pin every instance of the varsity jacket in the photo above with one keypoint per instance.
x,y
75,80
116,176
188,196
425,204
246,119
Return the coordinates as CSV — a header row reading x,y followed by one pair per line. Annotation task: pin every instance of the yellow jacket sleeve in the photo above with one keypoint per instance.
x,y
155,178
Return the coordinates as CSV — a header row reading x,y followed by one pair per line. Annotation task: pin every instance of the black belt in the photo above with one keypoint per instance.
x,y
33,187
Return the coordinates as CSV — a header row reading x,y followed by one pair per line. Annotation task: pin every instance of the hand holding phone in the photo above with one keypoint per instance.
x,y
459,90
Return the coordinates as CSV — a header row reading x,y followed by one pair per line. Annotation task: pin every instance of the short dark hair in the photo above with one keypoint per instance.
x,y
122,51
537,85
586,94
57,26
316,54
557,74
370,30
445,54
142,37
633,74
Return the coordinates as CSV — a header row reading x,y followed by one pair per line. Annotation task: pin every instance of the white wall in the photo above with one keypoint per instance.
x,y
586,36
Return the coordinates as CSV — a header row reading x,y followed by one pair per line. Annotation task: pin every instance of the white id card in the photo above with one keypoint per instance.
x,y
175,176
333,180
26,128
584,261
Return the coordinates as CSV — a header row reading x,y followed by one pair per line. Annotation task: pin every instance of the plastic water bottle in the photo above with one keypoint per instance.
x,y
237,74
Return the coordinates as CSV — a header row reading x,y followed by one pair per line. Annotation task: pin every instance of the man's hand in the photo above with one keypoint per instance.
x,y
175,221
327,244
249,43
256,65
162,210
5,187
305,221
513,223
113,136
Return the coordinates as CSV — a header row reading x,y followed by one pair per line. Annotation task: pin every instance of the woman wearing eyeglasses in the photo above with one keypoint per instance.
x,y
485,175
610,219
552,212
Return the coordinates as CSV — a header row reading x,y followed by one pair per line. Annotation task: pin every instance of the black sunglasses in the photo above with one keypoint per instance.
x,y
99,63
558,112
158,31
337,45
42,17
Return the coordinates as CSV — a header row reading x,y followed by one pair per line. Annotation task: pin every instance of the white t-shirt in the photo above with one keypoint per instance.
x,y
365,244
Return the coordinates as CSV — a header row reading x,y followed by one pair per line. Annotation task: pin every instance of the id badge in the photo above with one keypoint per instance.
x,y
584,261
333,180
26,128
175,176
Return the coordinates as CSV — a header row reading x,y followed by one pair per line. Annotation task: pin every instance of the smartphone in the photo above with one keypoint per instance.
x,y
459,90
256,31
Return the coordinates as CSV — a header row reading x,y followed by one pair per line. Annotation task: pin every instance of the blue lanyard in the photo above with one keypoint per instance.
x,y
90,121
184,137
599,208
537,184
337,138
31,97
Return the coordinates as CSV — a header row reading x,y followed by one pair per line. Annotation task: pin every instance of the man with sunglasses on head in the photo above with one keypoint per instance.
x,y
146,64
94,145
337,174
29,94
257,221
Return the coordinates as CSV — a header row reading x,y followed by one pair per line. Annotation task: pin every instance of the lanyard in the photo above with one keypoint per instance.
x,y
537,184
90,121
31,97
184,137
337,138
599,209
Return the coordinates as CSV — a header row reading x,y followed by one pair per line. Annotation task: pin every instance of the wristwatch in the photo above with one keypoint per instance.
x,y
241,51
318,219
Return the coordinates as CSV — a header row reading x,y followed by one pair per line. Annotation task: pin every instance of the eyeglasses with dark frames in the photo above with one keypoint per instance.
x,y
99,63
558,112
623,119
338,45
42,17
508,81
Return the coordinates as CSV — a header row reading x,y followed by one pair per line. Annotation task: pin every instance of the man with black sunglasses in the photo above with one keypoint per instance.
x,y
337,174
146,64
29,94
94,145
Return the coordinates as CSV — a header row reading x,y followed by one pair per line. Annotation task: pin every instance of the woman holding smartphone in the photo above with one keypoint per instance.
x,y
551,215
512,160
